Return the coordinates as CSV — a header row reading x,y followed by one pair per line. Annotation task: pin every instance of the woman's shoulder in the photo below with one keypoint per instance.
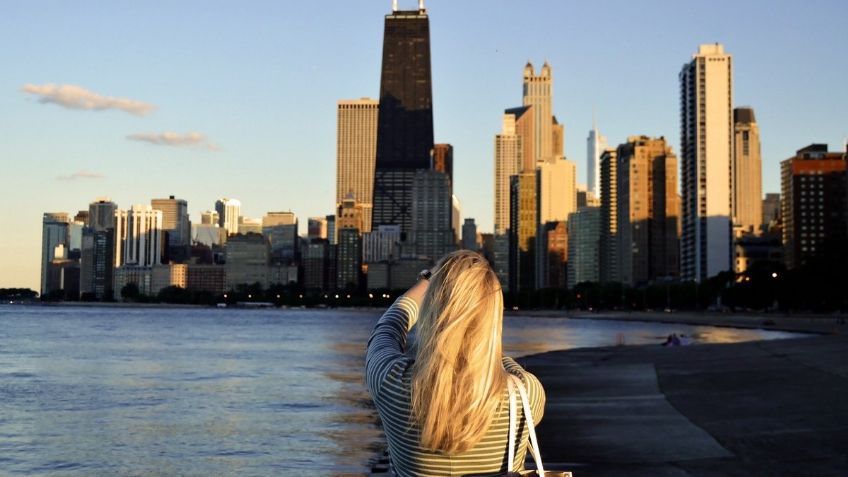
x,y
535,390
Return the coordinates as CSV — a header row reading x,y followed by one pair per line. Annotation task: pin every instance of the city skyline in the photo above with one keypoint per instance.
x,y
74,154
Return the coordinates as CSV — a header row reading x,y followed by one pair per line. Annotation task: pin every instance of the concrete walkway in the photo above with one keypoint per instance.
x,y
762,408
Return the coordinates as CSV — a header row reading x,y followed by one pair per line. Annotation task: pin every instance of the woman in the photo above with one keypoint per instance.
x,y
445,404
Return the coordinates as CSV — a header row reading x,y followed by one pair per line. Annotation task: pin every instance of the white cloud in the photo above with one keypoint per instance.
x,y
81,175
76,97
193,139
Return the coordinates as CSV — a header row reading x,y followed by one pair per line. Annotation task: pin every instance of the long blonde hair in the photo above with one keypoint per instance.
x,y
458,376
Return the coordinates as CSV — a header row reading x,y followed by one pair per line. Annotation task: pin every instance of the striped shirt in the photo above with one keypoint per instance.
x,y
389,375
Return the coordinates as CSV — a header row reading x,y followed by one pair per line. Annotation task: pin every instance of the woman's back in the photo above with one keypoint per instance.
x,y
389,377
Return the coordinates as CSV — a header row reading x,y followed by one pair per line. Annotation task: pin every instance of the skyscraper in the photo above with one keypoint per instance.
x,y
405,119
508,162
747,173
280,229
101,214
98,250
350,220
522,230
176,227
469,235
706,135
648,211
608,253
556,182
316,227
596,144
356,150
442,157
538,92
229,211
138,240
556,198
432,215
54,233
771,212
584,230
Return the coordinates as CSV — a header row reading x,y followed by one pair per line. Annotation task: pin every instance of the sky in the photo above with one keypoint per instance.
x,y
209,99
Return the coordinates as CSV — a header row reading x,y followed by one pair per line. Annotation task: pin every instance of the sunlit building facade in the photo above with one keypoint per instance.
x,y
706,135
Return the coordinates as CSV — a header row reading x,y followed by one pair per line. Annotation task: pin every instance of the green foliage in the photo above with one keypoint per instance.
x,y
130,292
17,294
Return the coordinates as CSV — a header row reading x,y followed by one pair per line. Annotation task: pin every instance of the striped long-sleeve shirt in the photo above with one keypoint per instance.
x,y
389,376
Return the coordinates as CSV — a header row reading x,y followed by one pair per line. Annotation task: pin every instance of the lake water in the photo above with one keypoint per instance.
x,y
184,392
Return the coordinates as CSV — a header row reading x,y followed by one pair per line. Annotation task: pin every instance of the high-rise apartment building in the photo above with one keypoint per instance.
x,y
280,229
747,173
584,230
331,228
469,235
229,211
209,217
349,219
442,159
101,214
555,255
706,135
648,211
771,212
176,227
456,219
608,246
523,229
138,236
814,194
381,244
556,198
54,233
432,215
272,219
97,262
250,225
405,119
247,259
556,182
97,257
356,151
596,144
508,162
317,226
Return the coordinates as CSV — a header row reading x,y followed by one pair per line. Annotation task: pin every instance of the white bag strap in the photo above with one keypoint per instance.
x,y
528,416
512,419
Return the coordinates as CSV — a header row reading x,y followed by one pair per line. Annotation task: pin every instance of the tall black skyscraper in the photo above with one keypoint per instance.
x,y
405,120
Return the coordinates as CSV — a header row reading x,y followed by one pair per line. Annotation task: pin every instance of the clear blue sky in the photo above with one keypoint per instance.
x,y
260,80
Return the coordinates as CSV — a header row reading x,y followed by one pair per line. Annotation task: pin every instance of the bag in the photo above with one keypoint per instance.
x,y
515,383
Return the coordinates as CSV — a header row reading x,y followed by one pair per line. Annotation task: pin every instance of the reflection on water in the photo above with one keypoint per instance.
x,y
114,391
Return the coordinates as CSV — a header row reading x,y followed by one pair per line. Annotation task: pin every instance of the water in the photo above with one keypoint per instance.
x,y
166,392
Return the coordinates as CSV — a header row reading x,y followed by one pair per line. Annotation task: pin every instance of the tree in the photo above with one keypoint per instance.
x,y
130,291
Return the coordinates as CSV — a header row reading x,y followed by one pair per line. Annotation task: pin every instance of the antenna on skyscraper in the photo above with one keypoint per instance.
x,y
421,4
394,5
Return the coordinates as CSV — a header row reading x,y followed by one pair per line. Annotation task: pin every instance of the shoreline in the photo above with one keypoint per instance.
x,y
711,409
823,323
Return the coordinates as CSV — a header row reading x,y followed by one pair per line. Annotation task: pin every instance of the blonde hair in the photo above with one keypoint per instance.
x,y
458,376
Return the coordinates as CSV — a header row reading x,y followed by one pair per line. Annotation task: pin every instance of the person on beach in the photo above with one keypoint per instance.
x,y
444,402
